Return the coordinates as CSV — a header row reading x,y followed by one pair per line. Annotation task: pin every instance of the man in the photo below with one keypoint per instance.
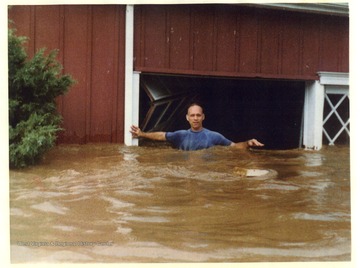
x,y
195,138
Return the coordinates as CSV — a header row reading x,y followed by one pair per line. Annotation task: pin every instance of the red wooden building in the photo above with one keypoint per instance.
x,y
116,51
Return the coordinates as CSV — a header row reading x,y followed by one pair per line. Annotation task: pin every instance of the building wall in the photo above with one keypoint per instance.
x,y
219,40
234,40
91,47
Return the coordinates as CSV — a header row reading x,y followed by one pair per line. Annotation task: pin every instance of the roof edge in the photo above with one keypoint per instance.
x,y
339,9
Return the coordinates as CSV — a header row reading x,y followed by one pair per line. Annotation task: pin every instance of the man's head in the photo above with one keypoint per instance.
x,y
195,116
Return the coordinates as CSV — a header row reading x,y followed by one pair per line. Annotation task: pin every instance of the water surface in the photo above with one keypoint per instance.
x,y
112,203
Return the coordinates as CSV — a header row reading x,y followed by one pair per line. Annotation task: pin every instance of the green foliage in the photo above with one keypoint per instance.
x,y
34,85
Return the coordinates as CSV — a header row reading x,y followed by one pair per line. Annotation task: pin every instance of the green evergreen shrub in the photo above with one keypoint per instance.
x,y
34,85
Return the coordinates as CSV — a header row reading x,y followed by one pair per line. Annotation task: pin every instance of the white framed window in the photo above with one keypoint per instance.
x,y
336,123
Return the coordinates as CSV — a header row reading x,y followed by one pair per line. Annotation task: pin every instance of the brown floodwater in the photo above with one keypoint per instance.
x,y
112,203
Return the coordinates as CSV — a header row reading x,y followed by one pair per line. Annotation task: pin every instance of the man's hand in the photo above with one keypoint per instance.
x,y
135,131
254,142
247,144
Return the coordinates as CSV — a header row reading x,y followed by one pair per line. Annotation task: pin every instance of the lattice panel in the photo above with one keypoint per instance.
x,y
336,123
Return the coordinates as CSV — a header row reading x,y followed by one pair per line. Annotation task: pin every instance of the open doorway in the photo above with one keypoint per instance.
x,y
240,109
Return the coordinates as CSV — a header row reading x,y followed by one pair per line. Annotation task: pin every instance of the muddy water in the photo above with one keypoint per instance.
x,y
111,203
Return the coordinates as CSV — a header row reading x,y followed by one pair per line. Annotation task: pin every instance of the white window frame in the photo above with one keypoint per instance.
x,y
315,94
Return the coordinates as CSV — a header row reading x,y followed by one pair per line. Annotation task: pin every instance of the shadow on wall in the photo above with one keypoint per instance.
x,y
240,109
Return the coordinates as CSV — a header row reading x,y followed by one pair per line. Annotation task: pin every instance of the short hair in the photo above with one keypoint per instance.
x,y
195,104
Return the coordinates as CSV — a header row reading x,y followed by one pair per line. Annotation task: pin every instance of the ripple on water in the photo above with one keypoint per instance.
x,y
116,203
152,219
50,207
322,217
65,228
38,194
276,185
19,212
133,193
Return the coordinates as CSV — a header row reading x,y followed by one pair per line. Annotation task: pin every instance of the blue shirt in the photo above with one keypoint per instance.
x,y
190,140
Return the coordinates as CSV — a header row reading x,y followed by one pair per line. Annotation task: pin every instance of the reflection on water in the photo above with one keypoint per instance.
x,y
112,203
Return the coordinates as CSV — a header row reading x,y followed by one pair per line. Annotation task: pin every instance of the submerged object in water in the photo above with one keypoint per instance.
x,y
256,172
244,172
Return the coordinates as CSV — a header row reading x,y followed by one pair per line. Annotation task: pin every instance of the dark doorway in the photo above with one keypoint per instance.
x,y
240,109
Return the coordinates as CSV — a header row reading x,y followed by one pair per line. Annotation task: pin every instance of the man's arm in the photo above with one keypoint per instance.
x,y
137,133
247,144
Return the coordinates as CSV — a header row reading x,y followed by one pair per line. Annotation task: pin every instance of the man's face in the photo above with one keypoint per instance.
x,y
195,117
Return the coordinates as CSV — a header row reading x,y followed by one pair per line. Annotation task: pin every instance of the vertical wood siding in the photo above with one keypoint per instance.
x,y
233,40
220,40
91,47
